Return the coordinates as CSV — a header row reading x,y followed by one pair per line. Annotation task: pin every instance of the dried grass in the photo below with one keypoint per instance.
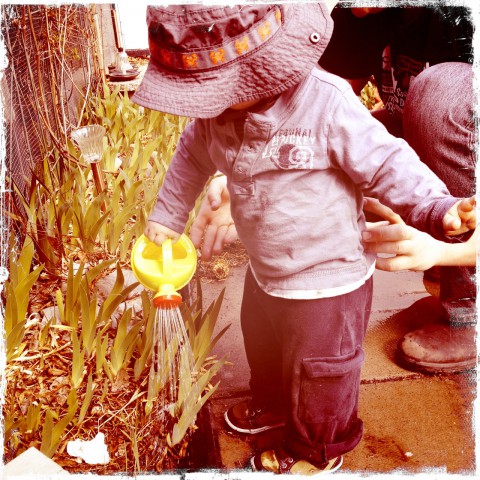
x,y
41,376
219,267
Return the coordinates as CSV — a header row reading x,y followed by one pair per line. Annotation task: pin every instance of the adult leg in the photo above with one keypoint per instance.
x,y
439,125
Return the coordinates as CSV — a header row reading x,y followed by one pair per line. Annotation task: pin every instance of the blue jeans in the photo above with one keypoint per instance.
x,y
306,356
438,123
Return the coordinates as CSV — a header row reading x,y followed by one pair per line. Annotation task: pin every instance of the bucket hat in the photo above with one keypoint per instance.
x,y
204,59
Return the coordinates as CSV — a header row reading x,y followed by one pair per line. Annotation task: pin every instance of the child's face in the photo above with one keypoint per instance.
x,y
244,105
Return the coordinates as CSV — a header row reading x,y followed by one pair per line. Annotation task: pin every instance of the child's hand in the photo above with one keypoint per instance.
x,y
460,218
158,233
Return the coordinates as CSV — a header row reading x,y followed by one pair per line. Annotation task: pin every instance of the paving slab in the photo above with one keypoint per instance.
x,y
385,329
32,463
414,425
411,426
233,378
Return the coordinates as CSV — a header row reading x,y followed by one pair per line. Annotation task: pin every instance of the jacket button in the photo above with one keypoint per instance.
x,y
315,37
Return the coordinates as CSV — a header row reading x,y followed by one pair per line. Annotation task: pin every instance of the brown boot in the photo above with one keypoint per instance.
x,y
439,348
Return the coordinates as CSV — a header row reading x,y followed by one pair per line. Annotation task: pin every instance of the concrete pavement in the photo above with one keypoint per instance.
x,y
413,422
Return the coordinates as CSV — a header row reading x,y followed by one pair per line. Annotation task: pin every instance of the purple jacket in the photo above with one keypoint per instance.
x,y
297,182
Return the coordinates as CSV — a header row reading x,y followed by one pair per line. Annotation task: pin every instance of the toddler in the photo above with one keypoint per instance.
x,y
299,151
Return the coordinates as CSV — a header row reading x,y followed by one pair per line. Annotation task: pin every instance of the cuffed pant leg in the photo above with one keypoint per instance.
x,y
326,360
317,347
439,126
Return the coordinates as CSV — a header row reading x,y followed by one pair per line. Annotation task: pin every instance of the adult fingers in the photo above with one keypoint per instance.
x,y
219,240
215,191
387,233
197,229
209,241
216,238
389,248
231,234
372,205
392,264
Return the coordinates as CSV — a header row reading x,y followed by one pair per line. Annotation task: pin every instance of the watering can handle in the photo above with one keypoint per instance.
x,y
167,258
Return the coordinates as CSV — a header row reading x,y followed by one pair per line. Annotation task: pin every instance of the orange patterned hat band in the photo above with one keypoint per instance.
x,y
202,46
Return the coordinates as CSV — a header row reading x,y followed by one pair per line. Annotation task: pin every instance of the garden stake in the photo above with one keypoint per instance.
x,y
90,142
165,270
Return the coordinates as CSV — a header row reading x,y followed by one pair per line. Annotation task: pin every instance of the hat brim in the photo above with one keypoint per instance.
x,y
280,64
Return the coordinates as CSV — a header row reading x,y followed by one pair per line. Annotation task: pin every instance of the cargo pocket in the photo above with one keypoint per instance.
x,y
329,387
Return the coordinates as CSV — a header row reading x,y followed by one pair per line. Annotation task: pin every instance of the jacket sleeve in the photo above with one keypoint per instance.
x,y
189,171
386,167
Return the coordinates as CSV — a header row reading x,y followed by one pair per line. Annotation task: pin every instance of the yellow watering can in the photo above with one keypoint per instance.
x,y
165,269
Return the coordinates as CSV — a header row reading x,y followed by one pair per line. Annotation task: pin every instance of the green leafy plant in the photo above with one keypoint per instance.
x,y
190,400
200,325
145,343
73,237
92,350
66,218
17,289
52,433
124,344
72,373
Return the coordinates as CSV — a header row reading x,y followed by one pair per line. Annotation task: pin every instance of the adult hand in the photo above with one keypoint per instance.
x,y
158,233
214,223
461,217
412,249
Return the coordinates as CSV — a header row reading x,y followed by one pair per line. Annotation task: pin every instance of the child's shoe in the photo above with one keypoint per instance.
x,y
246,418
280,462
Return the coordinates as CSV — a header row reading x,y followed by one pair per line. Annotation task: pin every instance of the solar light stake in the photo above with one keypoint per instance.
x,y
90,142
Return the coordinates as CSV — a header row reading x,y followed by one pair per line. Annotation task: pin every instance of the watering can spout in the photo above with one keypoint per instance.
x,y
167,300
164,269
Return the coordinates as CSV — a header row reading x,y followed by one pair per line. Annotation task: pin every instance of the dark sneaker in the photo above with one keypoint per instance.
x,y
278,461
244,418
439,348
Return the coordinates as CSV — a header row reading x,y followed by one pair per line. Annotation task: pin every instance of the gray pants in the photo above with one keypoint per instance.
x,y
306,356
